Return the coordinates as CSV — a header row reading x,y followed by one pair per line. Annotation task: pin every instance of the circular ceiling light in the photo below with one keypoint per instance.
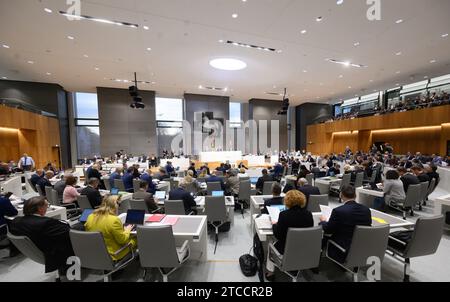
x,y
228,64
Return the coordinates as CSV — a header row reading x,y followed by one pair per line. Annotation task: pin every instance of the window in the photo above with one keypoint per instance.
x,y
87,123
235,115
169,109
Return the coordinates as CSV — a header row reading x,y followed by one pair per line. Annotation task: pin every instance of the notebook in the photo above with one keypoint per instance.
x,y
156,218
170,221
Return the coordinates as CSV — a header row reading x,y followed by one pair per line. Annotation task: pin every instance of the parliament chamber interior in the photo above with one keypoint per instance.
x,y
224,141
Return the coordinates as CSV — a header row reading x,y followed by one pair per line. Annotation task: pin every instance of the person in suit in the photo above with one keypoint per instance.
x,y
296,216
147,177
205,167
34,179
60,186
45,181
275,200
431,171
194,171
232,184
277,171
191,181
163,175
169,168
117,174
420,173
407,178
227,166
180,193
51,236
127,179
215,178
147,197
92,193
94,172
115,235
343,221
303,171
307,189
242,166
260,183
6,209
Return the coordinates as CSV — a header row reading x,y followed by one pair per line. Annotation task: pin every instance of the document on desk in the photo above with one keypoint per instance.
x,y
263,222
274,213
326,211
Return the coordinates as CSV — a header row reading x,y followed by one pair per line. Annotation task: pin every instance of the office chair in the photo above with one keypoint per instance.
x,y
217,215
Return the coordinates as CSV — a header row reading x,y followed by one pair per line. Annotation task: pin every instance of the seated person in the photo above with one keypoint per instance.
x,y
70,193
304,187
343,221
420,173
50,167
163,175
242,166
180,193
277,171
146,197
407,178
194,171
222,168
92,193
215,178
117,174
45,181
60,186
205,167
303,172
265,177
127,179
169,168
431,171
94,172
191,181
36,177
393,191
242,173
275,200
147,177
51,236
232,184
203,173
296,216
106,221
6,209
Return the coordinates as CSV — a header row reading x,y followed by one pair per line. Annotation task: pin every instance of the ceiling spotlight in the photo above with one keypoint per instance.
x,y
303,32
228,64
399,21
70,38
97,69
146,27
433,61
149,49
356,44
86,56
48,10
319,19
398,53
444,35
339,2
48,73
345,63
30,62
234,16
100,20
6,46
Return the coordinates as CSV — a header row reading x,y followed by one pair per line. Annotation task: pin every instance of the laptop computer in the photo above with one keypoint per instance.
x,y
114,191
160,195
135,217
254,180
218,193
85,215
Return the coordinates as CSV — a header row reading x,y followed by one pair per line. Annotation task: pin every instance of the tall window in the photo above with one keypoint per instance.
x,y
169,121
235,115
87,123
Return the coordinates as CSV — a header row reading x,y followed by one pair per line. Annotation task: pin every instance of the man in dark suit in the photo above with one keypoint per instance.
x,y
277,171
127,179
147,177
92,193
181,194
275,200
407,178
45,181
343,221
205,167
192,168
307,189
6,209
215,178
49,235
94,172
421,175
265,177
34,179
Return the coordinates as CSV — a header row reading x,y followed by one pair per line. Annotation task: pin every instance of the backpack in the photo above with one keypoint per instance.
x,y
249,265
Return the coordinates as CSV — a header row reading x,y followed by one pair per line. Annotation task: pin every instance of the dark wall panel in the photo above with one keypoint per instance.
x,y
309,114
124,128
267,110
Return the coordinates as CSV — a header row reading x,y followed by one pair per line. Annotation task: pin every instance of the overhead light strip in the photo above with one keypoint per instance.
x,y
130,81
346,63
250,46
100,20
213,88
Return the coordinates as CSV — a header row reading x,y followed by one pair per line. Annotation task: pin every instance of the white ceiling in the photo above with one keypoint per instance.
x,y
184,37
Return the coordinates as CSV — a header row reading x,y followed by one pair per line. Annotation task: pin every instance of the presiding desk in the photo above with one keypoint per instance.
x,y
211,157
263,226
191,228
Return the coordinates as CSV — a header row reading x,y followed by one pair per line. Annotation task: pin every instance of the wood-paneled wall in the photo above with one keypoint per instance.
x,y
36,135
428,131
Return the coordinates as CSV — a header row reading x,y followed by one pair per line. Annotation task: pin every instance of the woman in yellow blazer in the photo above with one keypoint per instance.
x,y
106,221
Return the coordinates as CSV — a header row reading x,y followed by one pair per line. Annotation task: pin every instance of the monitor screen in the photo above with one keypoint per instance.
x,y
85,215
254,180
135,217
217,193
160,195
114,191
279,207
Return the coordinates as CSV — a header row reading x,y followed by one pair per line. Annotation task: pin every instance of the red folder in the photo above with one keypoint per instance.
x,y
156,218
